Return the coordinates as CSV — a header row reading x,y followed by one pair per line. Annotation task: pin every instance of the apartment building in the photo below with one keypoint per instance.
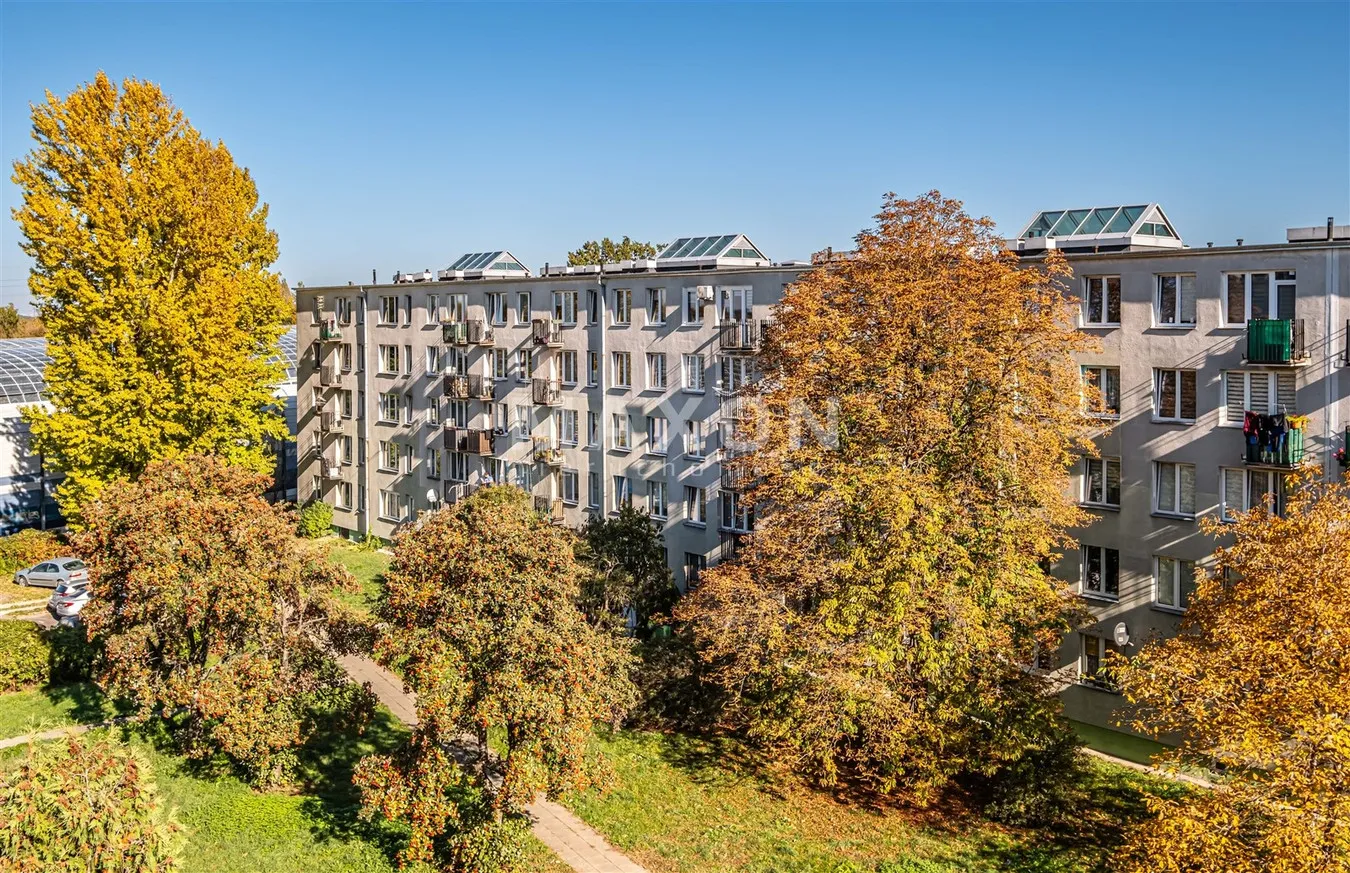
x,y
1198,344
589,387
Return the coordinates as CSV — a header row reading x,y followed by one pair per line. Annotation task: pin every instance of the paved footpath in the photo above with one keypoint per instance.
x,y
577,843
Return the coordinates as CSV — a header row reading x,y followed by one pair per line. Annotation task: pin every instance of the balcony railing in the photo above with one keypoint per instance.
x,y
1276,341
739,336
474,441
329,331
547,332
330,376
455,333
328,468
548,451
549,507
328,419
457,491
1283,451
474,386
735,477
547,392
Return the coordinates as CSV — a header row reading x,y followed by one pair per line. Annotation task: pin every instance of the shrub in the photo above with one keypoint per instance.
x,y
72,806
24,655
370,543
27,547
71,655
1040,787
316,519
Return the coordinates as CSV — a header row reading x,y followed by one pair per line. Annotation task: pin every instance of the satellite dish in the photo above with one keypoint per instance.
x,y
432,496
1122,634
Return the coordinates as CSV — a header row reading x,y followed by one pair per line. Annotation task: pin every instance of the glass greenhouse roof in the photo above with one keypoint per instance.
x,y
1096,221
22,362
725,246
499,260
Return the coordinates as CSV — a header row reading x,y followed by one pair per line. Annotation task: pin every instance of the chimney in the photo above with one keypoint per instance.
x,y
1331,227
373,280
1239,240
1209,245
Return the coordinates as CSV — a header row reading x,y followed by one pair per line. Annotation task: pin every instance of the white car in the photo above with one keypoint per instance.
x,y
68,599
50,574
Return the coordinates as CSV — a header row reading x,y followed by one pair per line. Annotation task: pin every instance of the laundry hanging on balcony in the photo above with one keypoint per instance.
x,y
1273,439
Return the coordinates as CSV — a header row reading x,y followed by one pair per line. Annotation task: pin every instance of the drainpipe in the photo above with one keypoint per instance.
x,y
363,422
603,387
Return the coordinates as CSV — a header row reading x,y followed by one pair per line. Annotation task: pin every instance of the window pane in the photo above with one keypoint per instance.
x,y
1188,300
1094,301
1260,295
1112,571
1167,487
1188,394
1167,393
1187,483
1113,482
1167,580
1167,299
1113,299
1094,481
1237,298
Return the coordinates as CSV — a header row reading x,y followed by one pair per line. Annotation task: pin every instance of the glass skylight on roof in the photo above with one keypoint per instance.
x,y
731,245
1094,222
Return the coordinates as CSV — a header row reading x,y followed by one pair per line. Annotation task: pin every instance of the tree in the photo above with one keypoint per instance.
x,y
607,251
1256,680
911,436
10,322
151,273
630,574
72,805
208,613
480,615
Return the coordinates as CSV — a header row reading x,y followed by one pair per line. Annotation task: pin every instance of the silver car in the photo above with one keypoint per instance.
x,y
68,599
50,574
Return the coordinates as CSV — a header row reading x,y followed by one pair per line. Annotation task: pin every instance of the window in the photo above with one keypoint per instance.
x,y
593,308
459,413
568,365
593,495
1174,395
407,360
1248,295
455,361
1247,489
1106,381
345,402
592,369
693,372
737,515
1257,391
656,370
433,412
693,307
389,360
622,369
522,307
1101,300
500,363
360,357
623,439
407,309
391,405
658,434
390,456
433,309
343,308
346,357
569,487
458,308
1101,481
656,306
623,306
345,449
496,307
695,505
433,463
1094,658
344,495
1174,489
524,364
388,310
1174,303
522,423
1101,572
693,438
433,360
501,422
565,308
393,506
566,422
592,428
1173,582
459,466
736,372
407,409
656,498
360,498
694,564
623,492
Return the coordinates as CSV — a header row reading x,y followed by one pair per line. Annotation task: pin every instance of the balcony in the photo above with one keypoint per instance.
x,y
330,376
735,477
328,468
328,420
547,392
548,451
474,386
455,333
474,441
547,332
329,332
550,508
457,491
1285,452
739,336
1276,341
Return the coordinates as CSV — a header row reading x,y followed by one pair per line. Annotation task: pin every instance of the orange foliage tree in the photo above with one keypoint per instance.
x,y
911,437
1257,679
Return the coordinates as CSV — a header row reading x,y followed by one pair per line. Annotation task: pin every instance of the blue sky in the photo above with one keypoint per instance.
x,y
398,136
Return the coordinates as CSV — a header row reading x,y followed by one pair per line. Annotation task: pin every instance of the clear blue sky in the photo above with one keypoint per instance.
x,y
398,136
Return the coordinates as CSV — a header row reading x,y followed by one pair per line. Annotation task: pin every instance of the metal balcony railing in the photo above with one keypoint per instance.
x,y
328,419
1286,453
474,386
735,477
473,441
1276,341
329,330
547,332
739,336
548,451
547,392
328,468
549,507
457,491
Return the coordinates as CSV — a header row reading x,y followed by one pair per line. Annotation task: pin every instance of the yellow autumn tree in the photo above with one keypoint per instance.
x,y
907,448
151,254
1257,680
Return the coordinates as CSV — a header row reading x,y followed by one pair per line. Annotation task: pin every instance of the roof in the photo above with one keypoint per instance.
x,y
732,245
1102,225
22,362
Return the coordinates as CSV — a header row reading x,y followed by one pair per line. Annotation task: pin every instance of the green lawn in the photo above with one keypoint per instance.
x,y
27,711
680,804
367,567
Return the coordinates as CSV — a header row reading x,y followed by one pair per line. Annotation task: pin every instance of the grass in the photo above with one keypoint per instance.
x,y
680,805
367,567
26,711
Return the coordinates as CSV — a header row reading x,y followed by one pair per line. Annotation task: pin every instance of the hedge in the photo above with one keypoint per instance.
x,y
316,519
27,547
31,656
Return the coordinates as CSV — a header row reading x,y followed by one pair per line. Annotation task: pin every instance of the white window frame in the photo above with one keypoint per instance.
x,y
592,369
1274,497
623,492
1175,415
656,307
1181,280
695,439
1178,492
694,375
692,313
1101,646
1278,279
1106,464
433,465
658,498
695,506
388,307
501,363
389,360
657,378
1272,378
1179,593
571,484
621,369
1102,371
595,495
1103,283
399,501
565,307
623,307
1105,593
391,407
567,365
658,435
622,432
523,307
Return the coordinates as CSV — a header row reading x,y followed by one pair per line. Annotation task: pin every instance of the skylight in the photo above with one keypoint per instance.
x,y
1147,220
726,246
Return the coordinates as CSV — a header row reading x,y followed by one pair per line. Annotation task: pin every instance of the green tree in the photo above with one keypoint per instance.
x,y
10,322
208,612
607,251
151,255
76,806
910,440
480,616
631,577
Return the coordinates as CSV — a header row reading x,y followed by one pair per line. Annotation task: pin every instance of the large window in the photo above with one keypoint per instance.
x,y
1101,300
1173,582
656,498
1100,572
1174,303
393,506
458,466
695,505
622,369
693,307
694,564
693,438
391,407
623,492
656,370
391,456
656,306
1174,395
623,305
658,434
1174,489
1101,481
565,420
567,362
570,489
496,307
388,310
1105,382
389,360
565,308
737,513
737,372
1244,489
1258,295
1257,391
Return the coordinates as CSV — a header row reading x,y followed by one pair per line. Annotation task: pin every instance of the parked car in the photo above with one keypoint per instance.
x,y
49,574
68,599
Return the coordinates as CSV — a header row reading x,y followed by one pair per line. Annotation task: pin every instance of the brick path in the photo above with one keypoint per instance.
x,y
577,843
